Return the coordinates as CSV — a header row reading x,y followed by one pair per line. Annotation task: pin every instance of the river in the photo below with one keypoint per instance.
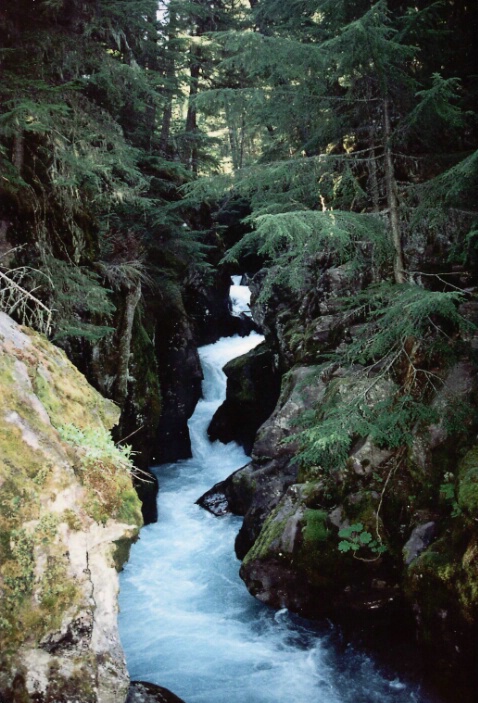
x,y
188,623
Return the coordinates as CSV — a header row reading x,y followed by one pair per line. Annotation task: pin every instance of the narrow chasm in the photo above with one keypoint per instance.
x,y
207,638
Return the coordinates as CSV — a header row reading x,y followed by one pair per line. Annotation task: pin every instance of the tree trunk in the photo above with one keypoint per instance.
x,y
171,79
391,188
166,127
191,118
133,297
233,140
18,155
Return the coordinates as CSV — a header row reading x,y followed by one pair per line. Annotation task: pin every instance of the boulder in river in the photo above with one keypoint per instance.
x,y
144,692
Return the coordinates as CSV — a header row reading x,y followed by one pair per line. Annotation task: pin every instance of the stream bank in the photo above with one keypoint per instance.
x,y
206,637
384,534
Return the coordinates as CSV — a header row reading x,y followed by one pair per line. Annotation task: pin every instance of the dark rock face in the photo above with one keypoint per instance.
x,y
253,386
180,379
209,309
147,486
273,470
143,692
230,496
296,323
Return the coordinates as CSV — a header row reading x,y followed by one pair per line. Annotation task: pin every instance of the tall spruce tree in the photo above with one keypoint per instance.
x,y
350,115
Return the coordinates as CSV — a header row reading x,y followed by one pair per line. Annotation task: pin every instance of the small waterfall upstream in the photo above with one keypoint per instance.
x,y
188,623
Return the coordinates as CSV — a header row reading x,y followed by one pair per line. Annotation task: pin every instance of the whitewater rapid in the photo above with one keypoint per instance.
x,y
187,621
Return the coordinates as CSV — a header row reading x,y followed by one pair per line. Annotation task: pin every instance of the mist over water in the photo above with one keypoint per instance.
x,y
187,621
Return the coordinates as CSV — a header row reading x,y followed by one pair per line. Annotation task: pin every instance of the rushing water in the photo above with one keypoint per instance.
x,y
240,297
187,621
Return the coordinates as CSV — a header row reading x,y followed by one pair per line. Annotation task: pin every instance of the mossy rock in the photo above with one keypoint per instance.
x,y
48,493
269,538
468,484
315,527
445,578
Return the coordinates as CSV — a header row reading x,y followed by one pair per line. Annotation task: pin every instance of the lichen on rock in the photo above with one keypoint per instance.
x,y
62,508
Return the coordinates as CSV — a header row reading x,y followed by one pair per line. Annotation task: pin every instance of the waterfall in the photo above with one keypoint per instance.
x,y
240,297
187,621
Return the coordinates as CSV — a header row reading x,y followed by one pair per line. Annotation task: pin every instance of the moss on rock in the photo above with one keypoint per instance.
x,y
50,503
315,526
468,484
269,536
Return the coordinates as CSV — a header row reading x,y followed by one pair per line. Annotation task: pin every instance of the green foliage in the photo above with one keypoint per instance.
x,y
82,157
18,573
437,110
401,313
315,527
317,80
355,537
404,332
97,446
76,295
454,187
467,490
105,470
366,408
448,492
293,241
58,299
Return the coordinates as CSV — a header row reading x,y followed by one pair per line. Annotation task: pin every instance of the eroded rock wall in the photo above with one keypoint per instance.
x,y
385,531
67,504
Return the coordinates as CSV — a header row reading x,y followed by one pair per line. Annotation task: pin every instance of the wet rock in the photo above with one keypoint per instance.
x,y
266,484
180,379
295,563
143,692
147,486
215,500
253,385
61,517
419,540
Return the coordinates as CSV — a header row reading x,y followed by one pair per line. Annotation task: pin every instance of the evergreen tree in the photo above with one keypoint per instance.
x,y
363,132
349,114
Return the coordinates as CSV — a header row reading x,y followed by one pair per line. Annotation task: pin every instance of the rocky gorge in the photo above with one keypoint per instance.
x,y
385,538
69,505
68,513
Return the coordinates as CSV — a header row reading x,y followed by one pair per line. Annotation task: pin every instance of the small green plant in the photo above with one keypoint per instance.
x,y
356,537
18,571
97,446
448,491
105,469
315,526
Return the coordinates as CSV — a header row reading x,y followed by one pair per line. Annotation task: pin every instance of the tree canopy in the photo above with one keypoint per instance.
x,y
126,128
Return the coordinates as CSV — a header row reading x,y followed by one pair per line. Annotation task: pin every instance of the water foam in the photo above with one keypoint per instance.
x,y
187,621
